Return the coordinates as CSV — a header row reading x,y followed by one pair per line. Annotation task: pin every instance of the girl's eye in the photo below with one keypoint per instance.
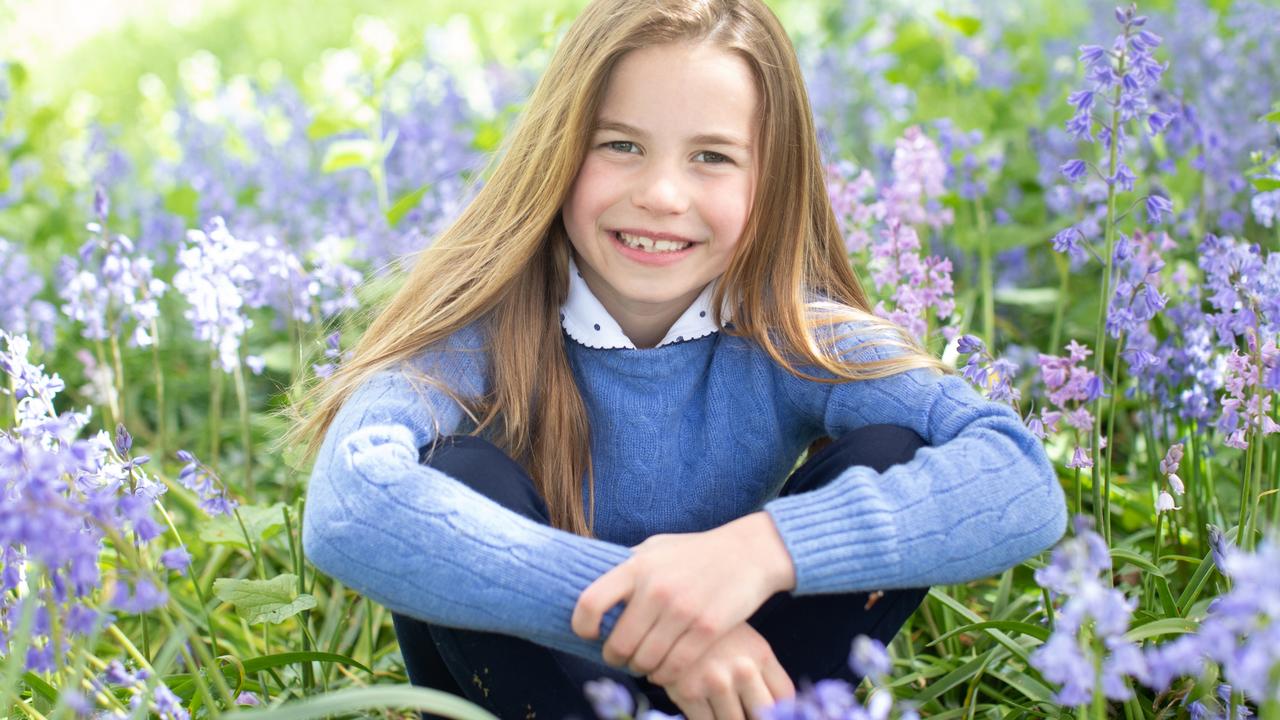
x,y
621,146
715,157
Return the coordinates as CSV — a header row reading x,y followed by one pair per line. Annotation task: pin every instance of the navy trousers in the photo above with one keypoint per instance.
x,y
514,678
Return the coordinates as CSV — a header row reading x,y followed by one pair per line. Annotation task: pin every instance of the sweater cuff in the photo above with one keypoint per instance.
x,y
842,536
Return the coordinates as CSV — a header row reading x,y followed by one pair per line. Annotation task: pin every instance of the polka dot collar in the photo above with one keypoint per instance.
x,y
587,322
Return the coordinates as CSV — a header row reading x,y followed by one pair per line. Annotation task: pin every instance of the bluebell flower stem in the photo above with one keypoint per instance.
x,y
1147,595
1059,312
1101,484
1258,446
162,448
1079,508
988,284
300,569
1111,426
246,431
215,411
118,378
195,584
113,407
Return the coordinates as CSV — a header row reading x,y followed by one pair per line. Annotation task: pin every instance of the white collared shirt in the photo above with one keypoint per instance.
x,y
587,321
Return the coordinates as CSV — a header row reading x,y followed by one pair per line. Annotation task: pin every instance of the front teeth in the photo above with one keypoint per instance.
x,y
640,242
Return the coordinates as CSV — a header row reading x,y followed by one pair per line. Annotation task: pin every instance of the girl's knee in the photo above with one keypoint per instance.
x,y
485,468
879,446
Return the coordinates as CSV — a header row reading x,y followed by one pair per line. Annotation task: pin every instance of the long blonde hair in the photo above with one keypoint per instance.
x,y
504,261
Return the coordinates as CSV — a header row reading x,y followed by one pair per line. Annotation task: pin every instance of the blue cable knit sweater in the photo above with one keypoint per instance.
x,y
684,437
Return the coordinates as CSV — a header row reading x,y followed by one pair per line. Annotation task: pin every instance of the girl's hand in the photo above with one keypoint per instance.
x,y
683,592
735,679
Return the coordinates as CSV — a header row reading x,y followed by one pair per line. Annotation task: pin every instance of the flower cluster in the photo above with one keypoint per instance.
x,y
852,193
1123,79
333,353
64,498
1169,469
919,284
992,376
108,284
1071,388
20,312
1087,647
1244,411
201,480
214,267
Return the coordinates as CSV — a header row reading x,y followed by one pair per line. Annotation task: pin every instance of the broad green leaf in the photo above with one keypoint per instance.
x,y
343,154
1163,626
289,658
405,204
259,601
42,688
261,523
1272,117
1265,184
351,701
184,202
965,24
1026,296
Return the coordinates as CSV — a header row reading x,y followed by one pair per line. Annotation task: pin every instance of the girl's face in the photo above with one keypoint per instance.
x,y
663,194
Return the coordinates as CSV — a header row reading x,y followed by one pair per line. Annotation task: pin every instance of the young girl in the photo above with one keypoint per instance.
x,y
561,451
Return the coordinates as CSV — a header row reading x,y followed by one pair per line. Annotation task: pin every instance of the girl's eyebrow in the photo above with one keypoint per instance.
x,y
700,139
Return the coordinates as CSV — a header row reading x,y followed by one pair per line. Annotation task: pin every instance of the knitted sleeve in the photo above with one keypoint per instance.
x,y
426,545
980,499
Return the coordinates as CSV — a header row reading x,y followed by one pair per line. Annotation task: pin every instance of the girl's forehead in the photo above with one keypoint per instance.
x,y
673,86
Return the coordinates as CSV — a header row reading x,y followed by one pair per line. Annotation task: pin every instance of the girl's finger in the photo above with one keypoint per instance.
x,y
658,645
685,651
608,590
756,696
776,679
695,709
636,623
726,704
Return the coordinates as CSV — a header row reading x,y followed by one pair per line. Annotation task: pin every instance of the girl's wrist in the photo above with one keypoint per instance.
x,y
758,532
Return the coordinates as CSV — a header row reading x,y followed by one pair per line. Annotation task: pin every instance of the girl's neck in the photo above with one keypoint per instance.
x,y
645,324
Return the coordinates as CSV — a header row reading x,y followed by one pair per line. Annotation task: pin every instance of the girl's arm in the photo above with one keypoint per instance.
x,y
982,498
425,545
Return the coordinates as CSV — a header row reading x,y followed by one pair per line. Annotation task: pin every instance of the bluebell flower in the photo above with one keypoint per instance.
x,y
609,699
1157,206
868,658
1074,170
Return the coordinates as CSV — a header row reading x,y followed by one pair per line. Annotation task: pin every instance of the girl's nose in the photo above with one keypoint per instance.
x,y
660,191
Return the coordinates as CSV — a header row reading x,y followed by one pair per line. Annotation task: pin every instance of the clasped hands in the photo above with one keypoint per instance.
x,y
683,593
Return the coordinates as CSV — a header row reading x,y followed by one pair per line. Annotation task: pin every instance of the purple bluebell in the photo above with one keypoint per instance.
x,y
609,699
868,658
21,310
1074,170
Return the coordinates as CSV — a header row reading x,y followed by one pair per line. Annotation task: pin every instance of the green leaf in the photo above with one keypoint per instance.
x,y
1272,117
351,701
289,658
343,154
405,204
1163,626
1196,585
260,601
1134,558
1023,628
1265,184
942,597
42,688
184,202
1046,296
260,522
965,24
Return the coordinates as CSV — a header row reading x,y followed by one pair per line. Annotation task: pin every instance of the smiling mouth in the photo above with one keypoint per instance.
x,y
649,245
